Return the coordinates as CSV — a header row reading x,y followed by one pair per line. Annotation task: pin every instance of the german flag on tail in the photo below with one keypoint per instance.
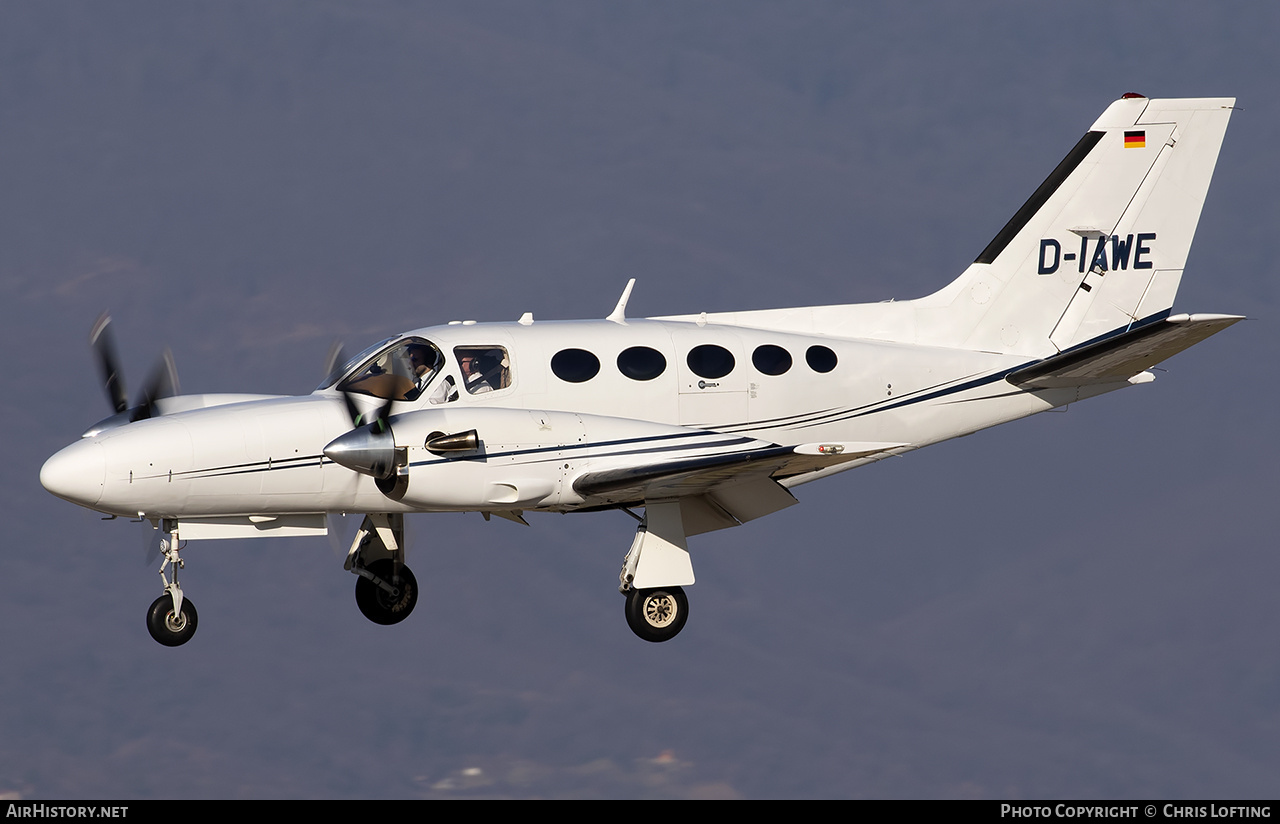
x,y
1135,140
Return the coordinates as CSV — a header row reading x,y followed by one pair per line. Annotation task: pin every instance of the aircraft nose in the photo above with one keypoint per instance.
x,y
76,473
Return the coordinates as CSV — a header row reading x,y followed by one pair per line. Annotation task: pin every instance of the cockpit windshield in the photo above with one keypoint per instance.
x,y
340,369
399,370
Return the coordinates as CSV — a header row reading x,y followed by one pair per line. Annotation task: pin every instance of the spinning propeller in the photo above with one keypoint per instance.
x,y
161,383
369,447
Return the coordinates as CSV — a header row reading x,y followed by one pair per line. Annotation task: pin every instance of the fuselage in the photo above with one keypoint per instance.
x,y
572,397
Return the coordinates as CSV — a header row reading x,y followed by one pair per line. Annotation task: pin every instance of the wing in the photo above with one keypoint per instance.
x,y
1120,357
719,490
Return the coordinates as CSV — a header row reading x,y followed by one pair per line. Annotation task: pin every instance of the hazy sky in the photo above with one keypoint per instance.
x,y
1077,605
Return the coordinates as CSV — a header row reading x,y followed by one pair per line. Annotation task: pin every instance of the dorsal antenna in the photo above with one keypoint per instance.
x,y
619,313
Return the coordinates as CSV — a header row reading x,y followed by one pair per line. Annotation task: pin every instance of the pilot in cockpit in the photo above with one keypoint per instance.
x,y
422,362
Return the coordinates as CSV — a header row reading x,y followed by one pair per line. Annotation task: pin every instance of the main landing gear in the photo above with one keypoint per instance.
x,y
656,569
172,619
386,591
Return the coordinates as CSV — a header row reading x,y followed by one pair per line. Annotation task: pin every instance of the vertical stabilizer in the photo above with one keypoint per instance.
x,y
1097,249
1101,244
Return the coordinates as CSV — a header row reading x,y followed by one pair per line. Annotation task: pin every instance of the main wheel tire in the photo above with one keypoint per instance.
x,y
657,614
167,628
378,605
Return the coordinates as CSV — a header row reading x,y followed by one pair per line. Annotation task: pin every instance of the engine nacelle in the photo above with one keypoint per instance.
x,y
498,459
482,458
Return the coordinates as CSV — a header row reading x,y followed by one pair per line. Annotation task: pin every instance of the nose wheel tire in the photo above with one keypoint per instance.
x,y
657,614
380,606
166,627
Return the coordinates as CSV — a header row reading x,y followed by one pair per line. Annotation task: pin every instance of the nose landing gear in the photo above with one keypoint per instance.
x,y
172,619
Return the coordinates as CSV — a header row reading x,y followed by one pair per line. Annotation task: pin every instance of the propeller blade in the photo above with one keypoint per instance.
x,y
162,383
353,411
380,417
104,346
359,418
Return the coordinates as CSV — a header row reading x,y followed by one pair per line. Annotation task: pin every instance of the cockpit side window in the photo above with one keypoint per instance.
x,y
483,368
400,372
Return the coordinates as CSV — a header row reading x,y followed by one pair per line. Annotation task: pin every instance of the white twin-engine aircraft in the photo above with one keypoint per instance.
x,y
702,421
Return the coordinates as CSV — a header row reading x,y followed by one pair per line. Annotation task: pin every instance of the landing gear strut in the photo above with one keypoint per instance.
x,y
172,619
386,591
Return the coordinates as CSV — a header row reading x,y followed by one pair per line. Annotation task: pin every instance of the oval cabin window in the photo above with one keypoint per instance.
x,y
640,363
820,358
575,365
710,361
770,359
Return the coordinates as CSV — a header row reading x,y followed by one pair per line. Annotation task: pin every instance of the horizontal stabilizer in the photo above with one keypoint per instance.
x,y
1119,358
